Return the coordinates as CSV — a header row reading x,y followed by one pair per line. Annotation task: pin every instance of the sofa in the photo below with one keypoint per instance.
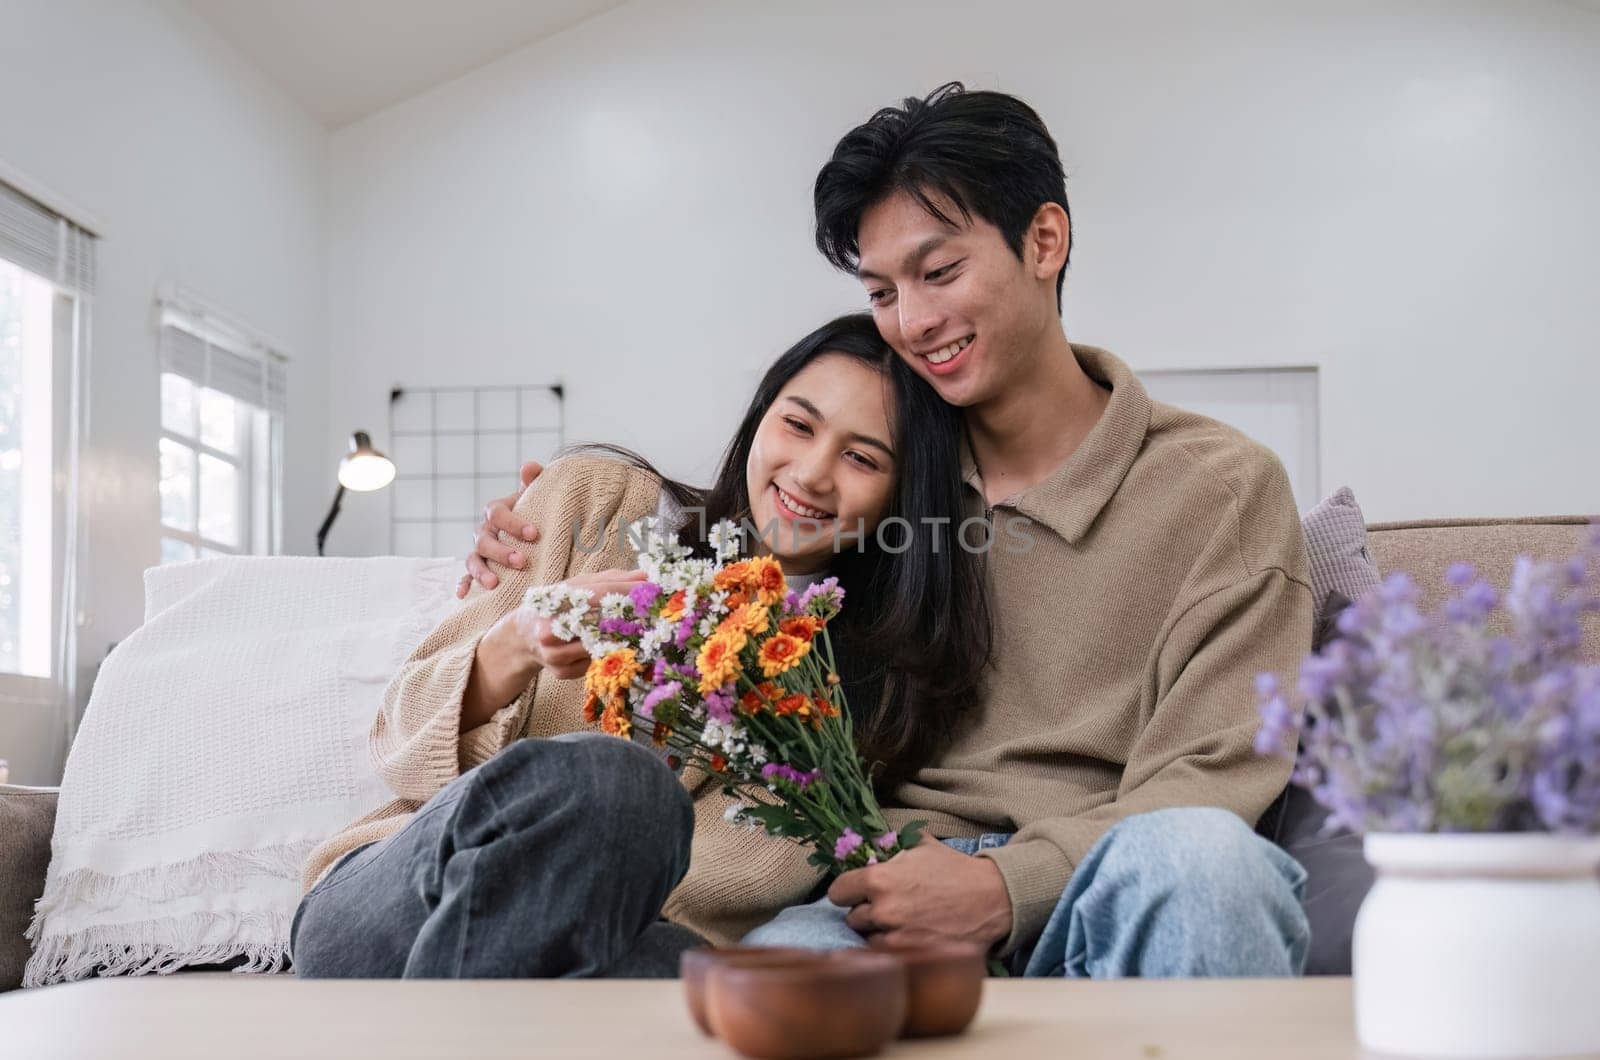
x,y
1338,878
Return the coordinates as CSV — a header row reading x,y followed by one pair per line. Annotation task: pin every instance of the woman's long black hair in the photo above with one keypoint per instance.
x,y
915,632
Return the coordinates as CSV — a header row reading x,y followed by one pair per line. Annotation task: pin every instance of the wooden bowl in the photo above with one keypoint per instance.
x,y
944,986
811,1009
693,965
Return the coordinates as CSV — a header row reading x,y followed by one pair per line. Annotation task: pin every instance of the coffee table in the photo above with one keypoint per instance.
x,y
222,1015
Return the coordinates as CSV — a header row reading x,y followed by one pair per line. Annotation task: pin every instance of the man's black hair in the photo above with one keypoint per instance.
x,y
986,152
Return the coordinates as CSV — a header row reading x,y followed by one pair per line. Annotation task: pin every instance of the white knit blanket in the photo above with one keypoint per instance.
x,y
224,739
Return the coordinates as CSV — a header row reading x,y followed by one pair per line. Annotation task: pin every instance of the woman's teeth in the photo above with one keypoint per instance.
x,y
941,356
800,509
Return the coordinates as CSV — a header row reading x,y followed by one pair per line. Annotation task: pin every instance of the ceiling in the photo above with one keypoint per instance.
x,y
345,59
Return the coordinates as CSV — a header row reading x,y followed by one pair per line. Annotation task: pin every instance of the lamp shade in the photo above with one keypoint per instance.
x,y
363,468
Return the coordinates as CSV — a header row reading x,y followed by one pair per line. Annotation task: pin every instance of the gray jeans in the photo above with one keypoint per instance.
x,y
553,858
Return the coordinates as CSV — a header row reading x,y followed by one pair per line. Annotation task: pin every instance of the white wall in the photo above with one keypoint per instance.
x,y
1401,194
204,175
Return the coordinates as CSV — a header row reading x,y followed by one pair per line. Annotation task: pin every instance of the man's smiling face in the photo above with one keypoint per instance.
x,y
955,302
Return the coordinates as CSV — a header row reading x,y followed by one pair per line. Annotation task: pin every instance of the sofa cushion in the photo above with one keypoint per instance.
x,y
1426,548
27,817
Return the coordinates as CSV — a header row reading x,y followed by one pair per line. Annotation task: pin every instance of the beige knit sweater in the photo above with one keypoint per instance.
x,y
736,880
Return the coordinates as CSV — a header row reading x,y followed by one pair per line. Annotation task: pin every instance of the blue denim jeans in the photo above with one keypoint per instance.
x,y
539,863
1190,891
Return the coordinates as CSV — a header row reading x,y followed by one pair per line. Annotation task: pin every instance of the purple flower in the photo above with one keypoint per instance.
x,y
776,771
656,696
846,844
1460,575
824,598
685,631
888,840
719,705
621,627
643,595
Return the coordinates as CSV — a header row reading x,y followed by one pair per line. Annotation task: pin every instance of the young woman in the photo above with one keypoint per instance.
x,y
504,856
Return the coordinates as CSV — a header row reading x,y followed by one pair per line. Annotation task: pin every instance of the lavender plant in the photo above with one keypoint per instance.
x,y
1420,722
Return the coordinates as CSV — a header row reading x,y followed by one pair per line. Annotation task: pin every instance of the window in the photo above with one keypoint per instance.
x,y
221,407
27,472
46,287
1275,406
212,476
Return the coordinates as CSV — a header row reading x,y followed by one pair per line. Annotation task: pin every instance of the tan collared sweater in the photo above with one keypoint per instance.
x,y
1164,567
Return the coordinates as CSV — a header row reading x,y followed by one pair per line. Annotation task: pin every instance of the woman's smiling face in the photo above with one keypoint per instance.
x,y
822,462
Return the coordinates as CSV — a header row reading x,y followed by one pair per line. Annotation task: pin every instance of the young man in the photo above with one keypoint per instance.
x,y
1107,784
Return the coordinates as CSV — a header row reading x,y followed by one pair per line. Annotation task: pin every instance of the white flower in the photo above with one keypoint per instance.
x,y
727,539
545,600
615,605
758,754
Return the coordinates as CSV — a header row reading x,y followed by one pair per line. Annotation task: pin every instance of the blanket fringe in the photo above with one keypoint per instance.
x,y
165,945
210,873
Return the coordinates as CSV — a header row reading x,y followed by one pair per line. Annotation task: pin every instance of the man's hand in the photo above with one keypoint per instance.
x,y
498,516
927,893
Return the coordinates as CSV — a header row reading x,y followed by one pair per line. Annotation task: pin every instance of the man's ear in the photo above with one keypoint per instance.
x,y
1048,237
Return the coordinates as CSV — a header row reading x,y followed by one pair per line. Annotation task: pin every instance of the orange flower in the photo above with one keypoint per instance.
x,y
718,661
803,626
615,720
732,576
825,707
718,763
661,735
782,653
591,708
761,695
673,608
793,703
737,599
766,580
748,619
610,675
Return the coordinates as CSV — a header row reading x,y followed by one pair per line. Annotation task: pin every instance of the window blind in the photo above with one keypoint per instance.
x,y
45,243
255,377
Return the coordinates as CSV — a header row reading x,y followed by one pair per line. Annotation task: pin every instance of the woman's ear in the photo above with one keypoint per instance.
x,y
1048,237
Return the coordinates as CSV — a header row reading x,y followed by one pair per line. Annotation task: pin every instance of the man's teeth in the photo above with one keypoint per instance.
x,y
941,356
800,509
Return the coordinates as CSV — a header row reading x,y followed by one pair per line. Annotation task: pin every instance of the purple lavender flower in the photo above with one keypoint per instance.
x,y
1430,722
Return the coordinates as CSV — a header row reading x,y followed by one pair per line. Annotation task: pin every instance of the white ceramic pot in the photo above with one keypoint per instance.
x,y
1480,945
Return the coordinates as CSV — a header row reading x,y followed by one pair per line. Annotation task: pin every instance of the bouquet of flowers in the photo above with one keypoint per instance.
x,y
1436,723
726,669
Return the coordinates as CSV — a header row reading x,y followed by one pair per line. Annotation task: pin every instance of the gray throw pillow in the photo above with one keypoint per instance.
x,y
1336,540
